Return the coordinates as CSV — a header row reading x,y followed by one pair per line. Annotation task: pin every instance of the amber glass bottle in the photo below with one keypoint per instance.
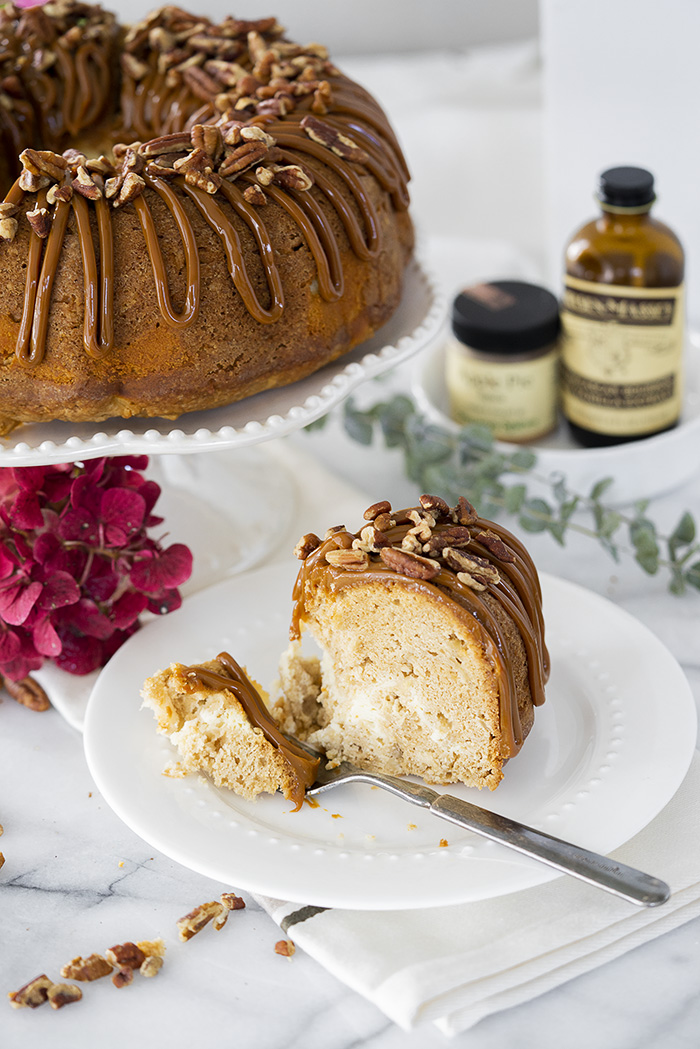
x,y
622,318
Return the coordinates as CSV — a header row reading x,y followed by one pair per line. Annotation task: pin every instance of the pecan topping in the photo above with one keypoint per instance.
x,y
151,965
31,183
409,564
125,956
2,860
33,994
85,185
60,994
201,84
87,969
232,902
123,977
8,211
254,195
28,692
8,229
351,560
40,221
457,535
373,511
176,143
44,162
291,176
252,132
242,158
434,502
383,522
132,186
477,567
133,67
56,193
306,545
321,132
207,138
195,921
464,513
496,546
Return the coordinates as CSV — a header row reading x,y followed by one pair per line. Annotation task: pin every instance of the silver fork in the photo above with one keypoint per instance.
x,y
607,874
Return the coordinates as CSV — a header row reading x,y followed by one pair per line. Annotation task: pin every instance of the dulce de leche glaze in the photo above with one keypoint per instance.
x,y
290,132
302,767
458,559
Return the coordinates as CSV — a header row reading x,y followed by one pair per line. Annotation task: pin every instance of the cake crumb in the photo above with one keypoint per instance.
x,y
285,947
411,826
121,863
444,843
336,816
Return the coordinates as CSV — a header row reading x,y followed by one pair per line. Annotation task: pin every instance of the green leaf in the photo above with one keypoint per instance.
x,y
682,535
535,516
558,531
692,576
477,437
523,460
648,560
514,498
392,419
602,486
358,425
317,424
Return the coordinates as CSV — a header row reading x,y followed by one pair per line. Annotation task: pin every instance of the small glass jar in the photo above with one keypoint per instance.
x,y
502,359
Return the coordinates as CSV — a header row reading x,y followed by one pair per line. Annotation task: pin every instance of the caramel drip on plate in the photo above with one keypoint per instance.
x,y
302,767
518,593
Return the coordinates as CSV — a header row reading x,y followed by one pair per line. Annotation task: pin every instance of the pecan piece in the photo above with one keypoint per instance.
x,y
291,176
44,162
33,994
351,560
242,158
201,84
412,565
176,143
254,195
58,193
8,229
87,969
40,221
151,966
152,947
464,513
434,502
455,536
134,68
373,511
477,567
8,211
232,902
31,183
28,692
194,922
2,860
321,132
132,186
306,545
123,977
209,139
253,133
125,955
60,994
85,185
383,522
285,947
495,545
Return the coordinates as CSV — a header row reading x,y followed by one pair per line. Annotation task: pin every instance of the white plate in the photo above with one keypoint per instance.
x,y
274,413
609,748
641,469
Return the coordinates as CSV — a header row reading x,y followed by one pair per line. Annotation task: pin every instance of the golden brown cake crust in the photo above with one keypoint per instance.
x,y
300,252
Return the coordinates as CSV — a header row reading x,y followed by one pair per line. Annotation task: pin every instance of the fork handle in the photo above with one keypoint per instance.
x,y
614,877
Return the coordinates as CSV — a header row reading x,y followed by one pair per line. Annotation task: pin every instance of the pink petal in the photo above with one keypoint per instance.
x,y
167,601
16,602
30,478
7,563
79,655
59,590
162,571
10,646
123,510
25,513
46,640
84,617
78,526
127,609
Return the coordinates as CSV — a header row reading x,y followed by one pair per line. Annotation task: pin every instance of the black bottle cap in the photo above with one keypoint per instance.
x,y
626,187
505,316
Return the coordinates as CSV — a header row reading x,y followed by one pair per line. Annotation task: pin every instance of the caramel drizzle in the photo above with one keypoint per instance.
x,y
518,593
301,766
143,105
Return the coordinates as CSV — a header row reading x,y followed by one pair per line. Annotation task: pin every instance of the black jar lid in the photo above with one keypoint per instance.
x,y
505,316
626,187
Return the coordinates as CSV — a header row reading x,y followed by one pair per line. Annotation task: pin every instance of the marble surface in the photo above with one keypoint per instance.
x,y
76,880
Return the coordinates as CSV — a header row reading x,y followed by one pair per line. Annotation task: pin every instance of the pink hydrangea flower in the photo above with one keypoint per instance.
x,y
77,565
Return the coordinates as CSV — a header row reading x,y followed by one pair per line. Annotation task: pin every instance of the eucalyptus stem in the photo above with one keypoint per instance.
x,y
469,462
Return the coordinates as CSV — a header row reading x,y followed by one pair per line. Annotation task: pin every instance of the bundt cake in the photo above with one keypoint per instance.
x,y
237,220
430,625
429,622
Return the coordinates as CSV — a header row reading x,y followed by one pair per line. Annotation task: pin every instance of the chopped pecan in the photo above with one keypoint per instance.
x,y
33,994
307,544
8,211
254,195
160,39
152,947
477,567
323,99
178,142
321,132
253,133
208,138
285,947
351,560
56,193
409,564
151,965
276,107
242,158
2,860
373,511
44,162
370,540
227,73
201,84
132,186
456,535
40,221
133,67
60,994
412,543
195,921
32,183
464,513
474,582
100,166
265,176
87,969
291,176
125,955
8,229
123,977
164,166
383,522
434,502
495,545
28,692
333,529
85,185
215,45
232,902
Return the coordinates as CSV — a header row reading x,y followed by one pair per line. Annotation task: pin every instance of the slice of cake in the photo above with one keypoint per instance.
x,y
217,720
430,626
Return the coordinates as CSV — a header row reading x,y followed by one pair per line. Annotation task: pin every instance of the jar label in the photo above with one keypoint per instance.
x,y
517,399
622,356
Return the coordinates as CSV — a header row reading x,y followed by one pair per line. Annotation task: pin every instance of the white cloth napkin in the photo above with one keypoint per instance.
x,y
455,965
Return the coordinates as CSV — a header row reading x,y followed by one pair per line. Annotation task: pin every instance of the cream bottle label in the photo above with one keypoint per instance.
x,y
622,356
517,399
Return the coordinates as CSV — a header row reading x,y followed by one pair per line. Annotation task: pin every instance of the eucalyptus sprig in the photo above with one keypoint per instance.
x,y
469,461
